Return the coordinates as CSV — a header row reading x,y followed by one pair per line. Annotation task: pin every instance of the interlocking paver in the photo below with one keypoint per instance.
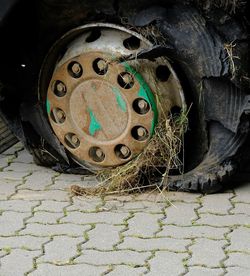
x,y
24,168
60,250
38,229
224,220
116,257
240,240
167,263
127,270
28,242
241,208
218,203
18,205
242,193
18,262
45,217
193,232
51,206
24,157
238,259
99,217
38,181
103,237
13,175
181,213
207,252
203,271
143,224
140,244
85,204
66,270
41,195
7,188
10,222
232,271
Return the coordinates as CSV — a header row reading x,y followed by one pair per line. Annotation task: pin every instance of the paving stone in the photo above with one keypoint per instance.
x,y
242,193
11,222
232,271
134,206
238,259
223,220
241,208
181,213
25,168
99,217
28,242
207,252
193,232
113,257
181,196
203,271
18,205
66,270
167,263
60,250
52,206
13,175
69,178
140,244
12,150
103,237
41,195
45,217
127,270
60,185
7,189
4,162
24,157
38,181
240,240
18,262
85,204
143,224
216,203
38,229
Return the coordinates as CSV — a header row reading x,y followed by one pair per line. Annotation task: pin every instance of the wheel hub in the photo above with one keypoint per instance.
x,y
102,110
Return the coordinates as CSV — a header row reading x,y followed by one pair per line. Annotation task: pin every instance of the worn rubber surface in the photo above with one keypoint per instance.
x,y
7,139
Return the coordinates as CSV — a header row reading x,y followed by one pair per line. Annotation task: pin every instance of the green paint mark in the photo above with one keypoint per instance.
x,y
94,124
120,101
145,93
48,106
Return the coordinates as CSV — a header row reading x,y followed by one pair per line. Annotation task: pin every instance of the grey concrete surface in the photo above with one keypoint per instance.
x,y
45,230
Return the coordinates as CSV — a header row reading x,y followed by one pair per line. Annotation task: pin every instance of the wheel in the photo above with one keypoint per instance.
x,y
94,99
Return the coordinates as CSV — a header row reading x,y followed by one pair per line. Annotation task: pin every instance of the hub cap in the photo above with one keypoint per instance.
x,y
102,109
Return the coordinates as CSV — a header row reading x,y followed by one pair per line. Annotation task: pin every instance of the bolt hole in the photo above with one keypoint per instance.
x,y
163,73
100,66
126,80
75,69
140,133
58,115
132,43
72,140
96,154
93,36
59,88
175,111
141,106
122,151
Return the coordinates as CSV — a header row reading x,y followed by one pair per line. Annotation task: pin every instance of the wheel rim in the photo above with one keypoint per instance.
x,y
104,109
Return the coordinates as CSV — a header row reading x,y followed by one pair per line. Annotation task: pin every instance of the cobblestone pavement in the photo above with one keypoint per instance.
x,y
46,231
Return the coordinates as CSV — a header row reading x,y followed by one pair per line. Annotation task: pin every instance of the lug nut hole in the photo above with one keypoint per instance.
x,y
132,43
96,154
59,88
141,106
57,115
163,73
100,66
140,133
71,140
126,80
122,151
75,69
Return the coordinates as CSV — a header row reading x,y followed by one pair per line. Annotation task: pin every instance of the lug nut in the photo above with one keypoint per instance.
x,y
76,68
60,87
142,104
101,64
60,114
125,151
99,153
141,132
127,78
74,139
